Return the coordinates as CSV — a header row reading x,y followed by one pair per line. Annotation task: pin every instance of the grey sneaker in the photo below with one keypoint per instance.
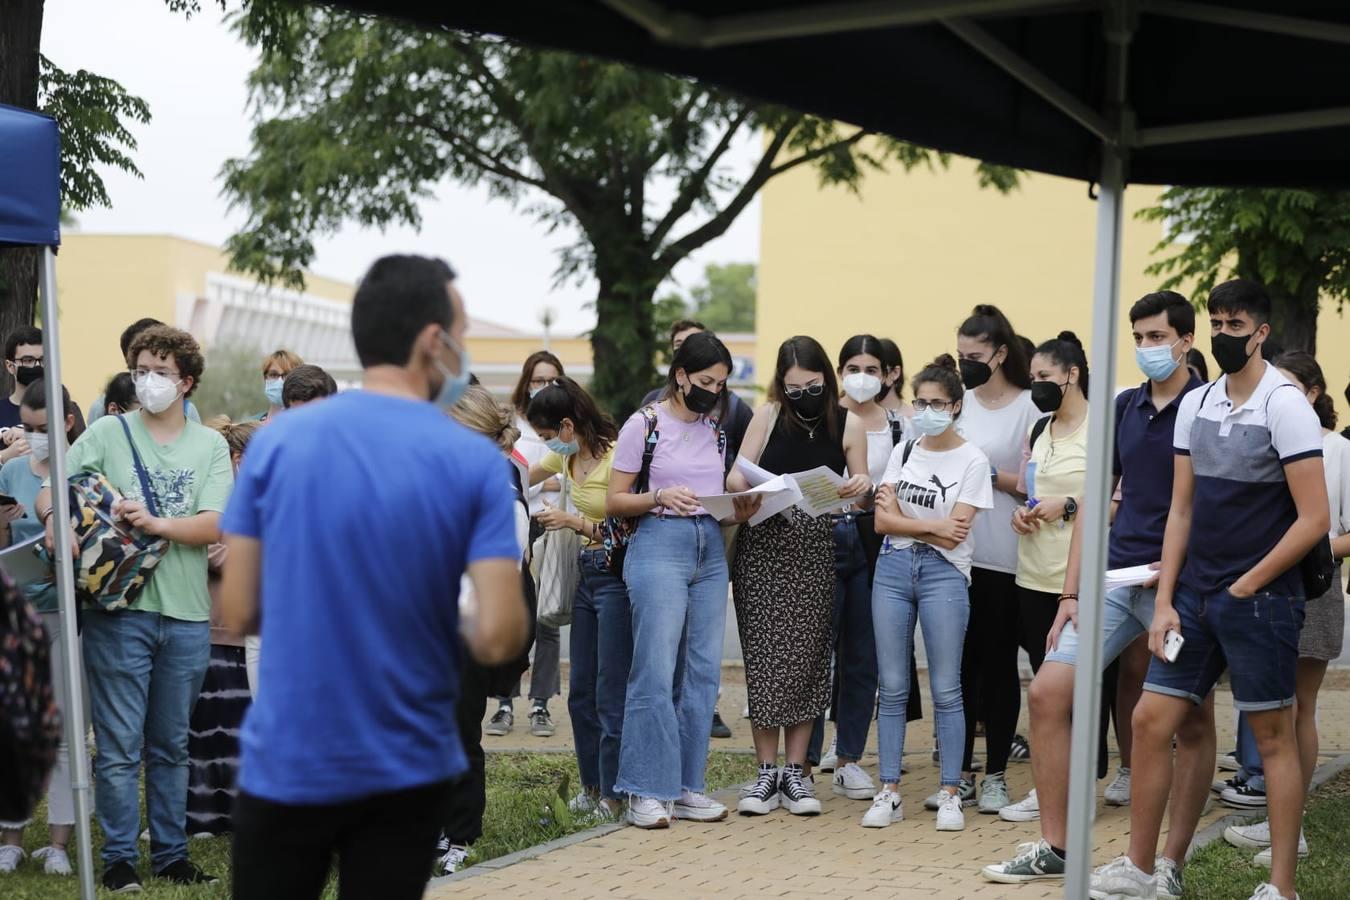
x,y
993,794
502,721
1168,876
541,723
966,791
1034,862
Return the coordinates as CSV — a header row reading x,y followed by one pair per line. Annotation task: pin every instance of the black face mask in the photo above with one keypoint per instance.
x,y
975,373
26,375
1047,395
1230,352
700,400
808,407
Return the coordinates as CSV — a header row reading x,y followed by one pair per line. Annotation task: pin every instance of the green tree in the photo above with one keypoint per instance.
x,y
725,301
231,385
360,117
1295,242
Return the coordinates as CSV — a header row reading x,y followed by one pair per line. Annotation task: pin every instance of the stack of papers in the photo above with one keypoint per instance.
x,y
815,492
1131,576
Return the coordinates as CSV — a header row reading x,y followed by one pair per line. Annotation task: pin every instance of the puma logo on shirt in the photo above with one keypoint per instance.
x,y
943,487
918,495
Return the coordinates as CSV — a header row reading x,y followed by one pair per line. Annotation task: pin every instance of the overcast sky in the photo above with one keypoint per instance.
x,y
192,74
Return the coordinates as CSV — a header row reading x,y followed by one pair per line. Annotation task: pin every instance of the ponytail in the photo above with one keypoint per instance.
x,y
1067,351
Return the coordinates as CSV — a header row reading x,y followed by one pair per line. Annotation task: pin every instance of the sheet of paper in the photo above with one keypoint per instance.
x,y
775,500
22,564
753,473
1129,577
820,491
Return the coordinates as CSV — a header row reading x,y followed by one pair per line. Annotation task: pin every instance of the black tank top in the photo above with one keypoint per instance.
x,y
793,449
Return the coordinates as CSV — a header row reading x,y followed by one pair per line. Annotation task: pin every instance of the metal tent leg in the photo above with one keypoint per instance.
x,y
1096,509
65,580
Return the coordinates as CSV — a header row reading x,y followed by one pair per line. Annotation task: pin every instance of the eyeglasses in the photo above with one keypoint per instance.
x,y
28,362
815,390
936,405
138,374
540,382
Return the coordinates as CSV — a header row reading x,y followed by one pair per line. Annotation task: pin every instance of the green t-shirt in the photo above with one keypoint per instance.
x,y
191,475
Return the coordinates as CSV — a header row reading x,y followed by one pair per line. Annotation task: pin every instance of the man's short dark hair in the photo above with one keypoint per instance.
x,y
306,383
134,329
684,325
1241,296
397,298
1180,313
25,334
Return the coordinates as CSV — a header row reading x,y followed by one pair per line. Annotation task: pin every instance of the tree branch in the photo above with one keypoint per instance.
x,y
693,186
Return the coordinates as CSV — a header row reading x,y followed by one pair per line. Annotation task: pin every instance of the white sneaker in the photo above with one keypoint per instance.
x,y
1121,879
830,760
1251,837
10,857
54,860
949,815
452,860
698,808
646,812
886,810
1263,858
1028,810
1118,791
852,782
1269,892
582,804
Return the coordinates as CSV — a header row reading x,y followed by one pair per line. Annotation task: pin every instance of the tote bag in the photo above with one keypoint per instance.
x,y
559,558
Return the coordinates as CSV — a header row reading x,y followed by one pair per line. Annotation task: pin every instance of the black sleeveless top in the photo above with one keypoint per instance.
x,y
793,449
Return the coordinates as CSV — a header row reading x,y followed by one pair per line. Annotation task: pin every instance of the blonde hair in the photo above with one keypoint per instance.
x,y
285,359
479,410
236,434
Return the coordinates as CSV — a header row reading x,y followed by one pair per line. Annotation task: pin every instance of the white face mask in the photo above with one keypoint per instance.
x,y
39,444
156,392
861,387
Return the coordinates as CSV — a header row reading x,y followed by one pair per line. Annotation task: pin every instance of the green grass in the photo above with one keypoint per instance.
x,y
521,813
1222,872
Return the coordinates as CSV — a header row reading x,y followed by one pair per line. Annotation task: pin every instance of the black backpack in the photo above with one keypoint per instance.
x,y
30,723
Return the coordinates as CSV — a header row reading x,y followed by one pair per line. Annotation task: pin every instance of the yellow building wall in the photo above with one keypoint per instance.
x,y
908,257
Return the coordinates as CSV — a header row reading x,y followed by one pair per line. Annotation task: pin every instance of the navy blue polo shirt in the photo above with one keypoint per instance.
x,y
1144,462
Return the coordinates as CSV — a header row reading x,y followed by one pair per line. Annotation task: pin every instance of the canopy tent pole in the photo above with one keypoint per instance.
x,y
1082,808
65,577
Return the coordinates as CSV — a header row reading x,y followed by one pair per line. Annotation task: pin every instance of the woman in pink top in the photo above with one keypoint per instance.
x,y
676,570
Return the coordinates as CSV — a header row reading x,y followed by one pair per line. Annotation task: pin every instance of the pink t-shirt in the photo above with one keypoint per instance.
x,y
686,453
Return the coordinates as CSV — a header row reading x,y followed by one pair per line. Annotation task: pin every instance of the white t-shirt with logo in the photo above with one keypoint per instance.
x,y
930,484
1002,434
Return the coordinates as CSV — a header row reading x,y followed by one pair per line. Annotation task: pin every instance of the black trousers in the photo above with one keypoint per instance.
x,y
468,796
384,845
990,681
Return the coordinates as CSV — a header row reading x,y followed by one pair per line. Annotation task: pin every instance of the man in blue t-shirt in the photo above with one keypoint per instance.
x,y
1249,500
350,526
1164,330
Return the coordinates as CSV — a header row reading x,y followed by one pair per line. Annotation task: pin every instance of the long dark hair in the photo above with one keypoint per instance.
x,y
945,373
1303,366
35,398
805,353
698,352
565,399
1067,351
987,323
520,397
891,358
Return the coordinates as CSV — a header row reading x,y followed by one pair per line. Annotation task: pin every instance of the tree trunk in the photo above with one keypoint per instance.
x,y
20,39
622,343
1293,319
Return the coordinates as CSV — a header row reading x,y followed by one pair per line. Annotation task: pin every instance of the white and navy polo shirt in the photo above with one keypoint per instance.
x,y
1242,504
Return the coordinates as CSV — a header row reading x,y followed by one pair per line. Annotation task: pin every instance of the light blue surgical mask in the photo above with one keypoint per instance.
x,y
1157,363
931,422
455,385
561,447
272,388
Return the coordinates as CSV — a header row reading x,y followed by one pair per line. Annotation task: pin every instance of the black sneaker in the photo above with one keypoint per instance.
x,y
761,798
541,723
184,871
1243,796
121,878
796,794
501,723
1021,749
719,728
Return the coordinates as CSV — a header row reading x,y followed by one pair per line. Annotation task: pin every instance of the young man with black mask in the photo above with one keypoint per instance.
x,y
23,362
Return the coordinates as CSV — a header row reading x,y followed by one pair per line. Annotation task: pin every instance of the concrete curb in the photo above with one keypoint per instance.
x,y
1325,772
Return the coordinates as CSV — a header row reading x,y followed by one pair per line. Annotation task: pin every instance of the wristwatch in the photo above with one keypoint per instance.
x,y
1070,508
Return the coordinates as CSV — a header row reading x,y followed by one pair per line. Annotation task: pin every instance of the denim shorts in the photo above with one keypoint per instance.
x,y
1126,614
1254,638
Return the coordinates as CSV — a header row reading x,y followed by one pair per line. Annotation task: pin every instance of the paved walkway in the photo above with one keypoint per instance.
x,y
831,855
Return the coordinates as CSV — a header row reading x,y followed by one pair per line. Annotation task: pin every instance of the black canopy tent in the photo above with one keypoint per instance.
x,y
1215,92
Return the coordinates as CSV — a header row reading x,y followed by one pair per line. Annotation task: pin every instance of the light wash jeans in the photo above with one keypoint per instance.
x,y
145,672
918,584
602,650
676,570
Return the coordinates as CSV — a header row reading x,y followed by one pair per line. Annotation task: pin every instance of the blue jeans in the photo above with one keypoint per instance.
x,y
919,584
602,650
145,671
676,570
1253,770
855,648
1126,613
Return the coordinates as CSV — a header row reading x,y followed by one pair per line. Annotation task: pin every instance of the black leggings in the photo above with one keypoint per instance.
x,y
989,677
468,796
385,846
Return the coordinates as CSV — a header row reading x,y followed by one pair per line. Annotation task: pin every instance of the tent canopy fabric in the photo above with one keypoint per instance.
x,y
938,73
30,178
